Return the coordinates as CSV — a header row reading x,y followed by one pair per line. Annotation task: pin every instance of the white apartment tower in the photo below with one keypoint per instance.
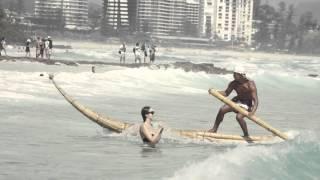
x,y
119,16
167,17
228,20
71,14
75,13
192,9
209,15
48,11
116,14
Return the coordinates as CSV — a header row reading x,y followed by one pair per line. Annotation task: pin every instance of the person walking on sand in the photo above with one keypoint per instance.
x,y
148,133
122,52
246,98
28,43
3,46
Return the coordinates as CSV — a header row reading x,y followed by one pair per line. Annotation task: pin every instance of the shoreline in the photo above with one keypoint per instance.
x,y
116,42
246,53
208,68
69,44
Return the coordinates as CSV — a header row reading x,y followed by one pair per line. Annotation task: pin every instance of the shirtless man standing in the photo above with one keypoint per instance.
x,y
246,98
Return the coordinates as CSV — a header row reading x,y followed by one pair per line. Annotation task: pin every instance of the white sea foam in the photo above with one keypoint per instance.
x,y
225,166
135,81
288,99
262,162
21,86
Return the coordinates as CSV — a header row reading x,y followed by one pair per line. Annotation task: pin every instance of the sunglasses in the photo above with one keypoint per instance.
x,y
150,112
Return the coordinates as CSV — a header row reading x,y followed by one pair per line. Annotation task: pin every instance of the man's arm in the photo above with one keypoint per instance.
x,y
228,90
254,95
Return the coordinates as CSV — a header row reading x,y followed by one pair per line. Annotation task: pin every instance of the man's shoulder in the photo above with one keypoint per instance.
x,y
252,84
142,127
250,81
233,83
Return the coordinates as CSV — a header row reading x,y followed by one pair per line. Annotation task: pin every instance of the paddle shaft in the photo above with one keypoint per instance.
x,y
253,118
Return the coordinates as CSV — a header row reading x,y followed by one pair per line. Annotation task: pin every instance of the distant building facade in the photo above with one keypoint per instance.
x,y
119,15
115,14
75,13
209,16
68,14
167,17
228,20
132,12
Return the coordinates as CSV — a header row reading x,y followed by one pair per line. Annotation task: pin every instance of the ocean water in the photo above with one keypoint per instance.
x,y
44,137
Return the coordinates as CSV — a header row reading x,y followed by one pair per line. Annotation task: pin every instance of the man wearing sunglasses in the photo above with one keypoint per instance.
x,y
149,135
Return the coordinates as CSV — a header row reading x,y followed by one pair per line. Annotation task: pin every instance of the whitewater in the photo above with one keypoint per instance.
x,y
44,137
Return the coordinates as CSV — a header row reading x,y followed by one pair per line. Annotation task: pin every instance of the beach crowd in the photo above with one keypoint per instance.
x,y
43,46
141,51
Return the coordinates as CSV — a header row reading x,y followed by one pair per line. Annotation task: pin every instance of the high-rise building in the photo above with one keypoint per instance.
x,y
167,17
75,14
49,13
228,20
208,19
192,9
69,14
115,14
132,13
119,15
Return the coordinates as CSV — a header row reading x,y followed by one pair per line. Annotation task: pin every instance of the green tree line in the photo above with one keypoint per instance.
x,y
11,31
280,29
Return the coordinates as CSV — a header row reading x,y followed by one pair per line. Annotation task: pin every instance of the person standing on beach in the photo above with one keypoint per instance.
x,y
38,43
148,134
28,42
46,48
137,54
152,53
42,46
50,47
144,50
246,98
122,52
3,46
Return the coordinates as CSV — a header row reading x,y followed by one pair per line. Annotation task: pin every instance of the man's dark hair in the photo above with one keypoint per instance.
x,y
145,110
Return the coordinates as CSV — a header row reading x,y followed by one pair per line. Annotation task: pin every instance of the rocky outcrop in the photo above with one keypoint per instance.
x,y
313,75
202,67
